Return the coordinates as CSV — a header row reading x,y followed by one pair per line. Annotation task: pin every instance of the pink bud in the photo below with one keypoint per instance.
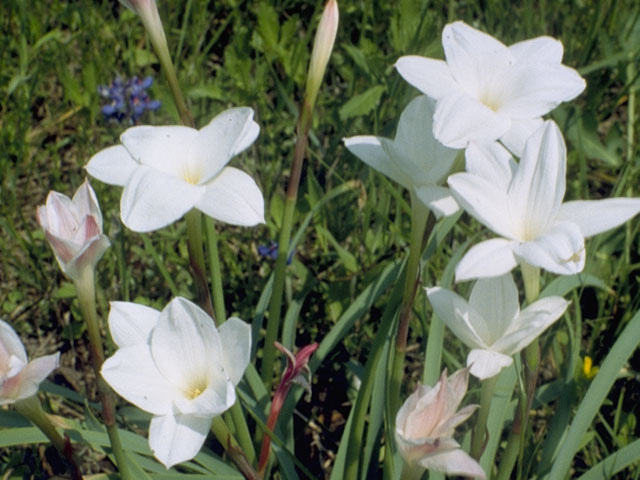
x,y
322,47
74,229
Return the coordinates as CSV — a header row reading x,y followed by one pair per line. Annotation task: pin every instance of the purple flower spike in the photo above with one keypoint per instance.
x,y
128,99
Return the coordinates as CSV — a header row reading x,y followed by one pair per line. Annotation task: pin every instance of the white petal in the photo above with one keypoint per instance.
x,y
597,216
153,199
496,300
34,373
10,344
113,165
176,439
560,250
89,255
521,129
86,203
228,134
437,199
453,462
233,197
432,77
185,345
474,57
533,89
490,258
217,397
538,186
531,322
161,148
483,201
460,118
235,336
491,161
131,323
369,149
487,363
132,373
459,316
540,50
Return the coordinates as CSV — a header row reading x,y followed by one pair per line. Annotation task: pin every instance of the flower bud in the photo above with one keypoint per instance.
x,y
322,46
73,228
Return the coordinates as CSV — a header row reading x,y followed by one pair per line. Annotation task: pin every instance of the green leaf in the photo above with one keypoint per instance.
x,y
362,104
614,463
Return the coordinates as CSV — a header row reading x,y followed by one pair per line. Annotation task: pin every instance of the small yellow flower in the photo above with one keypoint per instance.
x,y
588,370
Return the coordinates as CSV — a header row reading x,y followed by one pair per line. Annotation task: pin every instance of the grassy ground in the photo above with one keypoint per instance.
x,y
230,53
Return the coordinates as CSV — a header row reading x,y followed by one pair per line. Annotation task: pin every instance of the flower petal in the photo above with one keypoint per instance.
x,y
133,374
131,323
235,336
483,201
459,316
560,250
597,216
453,462
437,199
10,344
228,134
538,186
521,129
86,203
432,77
491,161
531,322
113,165
538,50
62,216
473,57
490,258
34,373
460,118
153,199
496,300
88,256
487,363
369,149
161,148
233,197
176,439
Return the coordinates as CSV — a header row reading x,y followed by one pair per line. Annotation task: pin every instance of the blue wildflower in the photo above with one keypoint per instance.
x,y
127,99
271,251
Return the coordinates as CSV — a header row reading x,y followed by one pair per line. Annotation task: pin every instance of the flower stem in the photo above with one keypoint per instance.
x,y
275,305
215,271
411,471
478,440
196,260
85,288
233,449
31,408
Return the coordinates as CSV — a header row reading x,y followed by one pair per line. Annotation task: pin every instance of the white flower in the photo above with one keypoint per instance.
x,y
491,322
19,378
425,424
414,159
167,171
177,366
523,204
74,229
488,91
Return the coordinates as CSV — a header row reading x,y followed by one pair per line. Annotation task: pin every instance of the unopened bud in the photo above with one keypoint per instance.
x,y
322,47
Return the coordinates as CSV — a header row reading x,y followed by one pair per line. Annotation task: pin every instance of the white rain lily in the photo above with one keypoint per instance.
x,y
73,228
19,377
491,322
425,424
167,171
414,159
523,204
177,366
487,91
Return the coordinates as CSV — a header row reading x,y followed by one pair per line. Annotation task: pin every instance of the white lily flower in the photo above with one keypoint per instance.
x,y
487,91
426,422
523,204
414,159
19,377
167,171
491,322
177,366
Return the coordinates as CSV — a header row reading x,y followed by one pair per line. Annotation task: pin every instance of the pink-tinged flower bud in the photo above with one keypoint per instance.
x,y
74,229
19,378
322,47
425,424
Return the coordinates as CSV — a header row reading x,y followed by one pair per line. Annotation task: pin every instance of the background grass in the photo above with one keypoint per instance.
x,y
53,56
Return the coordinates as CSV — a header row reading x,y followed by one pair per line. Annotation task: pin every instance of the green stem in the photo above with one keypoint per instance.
x,y
412,471
215,271
196,260
151,250
478,440
509,457
233,449
275,305
85,288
